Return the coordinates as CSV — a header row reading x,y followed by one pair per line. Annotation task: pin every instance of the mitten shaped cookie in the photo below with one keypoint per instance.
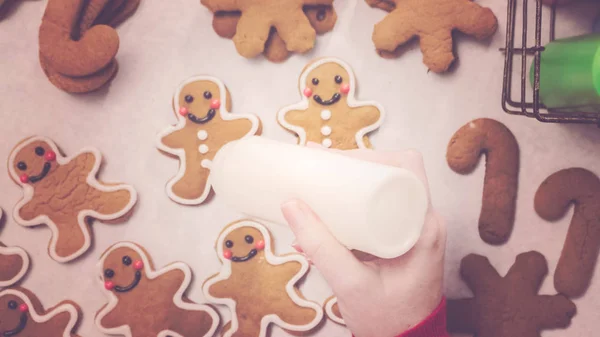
x,y
259,16
322,19
432,22
64,194
204,125
509,305
148,302
329,113
14,263
257,286
23,315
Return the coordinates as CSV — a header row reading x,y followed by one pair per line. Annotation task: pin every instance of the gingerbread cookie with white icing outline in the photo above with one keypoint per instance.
x,y
64,194
329,114
146,302
332,310
257,286
204,125
14,263
23,315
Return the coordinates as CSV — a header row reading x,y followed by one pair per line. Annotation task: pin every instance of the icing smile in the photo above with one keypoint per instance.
x,y
210,115
19,328
334,99
42,175
132,285
250,255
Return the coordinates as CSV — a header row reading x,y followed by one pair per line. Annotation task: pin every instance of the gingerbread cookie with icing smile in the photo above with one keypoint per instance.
x,y
22,314
146,302
64,194
259,287
14,263
329,113
202,106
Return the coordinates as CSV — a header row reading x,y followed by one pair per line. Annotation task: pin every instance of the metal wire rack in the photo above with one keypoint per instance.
x,y
525,105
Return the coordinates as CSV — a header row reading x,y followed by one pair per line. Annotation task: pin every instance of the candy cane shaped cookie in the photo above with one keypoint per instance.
x,y
492,138
580,252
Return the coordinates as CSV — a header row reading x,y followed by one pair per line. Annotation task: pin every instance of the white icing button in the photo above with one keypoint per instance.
x,y
325,115
206,163
203,149
326,130
327,142
202,134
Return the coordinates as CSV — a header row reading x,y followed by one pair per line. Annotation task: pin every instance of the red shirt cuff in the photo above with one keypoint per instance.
x,y
432,326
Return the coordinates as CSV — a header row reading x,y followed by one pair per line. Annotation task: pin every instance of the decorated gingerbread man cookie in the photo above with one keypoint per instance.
x,y
259,287
204,125
64,194
22,314
329,113
14,263
332,310
144,302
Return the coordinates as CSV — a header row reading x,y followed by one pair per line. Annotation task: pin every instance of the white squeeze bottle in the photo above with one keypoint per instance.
x,y
369,207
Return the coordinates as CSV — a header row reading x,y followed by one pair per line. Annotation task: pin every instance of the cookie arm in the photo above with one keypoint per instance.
x,y
529,271
173,141
472,19
478,273
367,115
290,268
30,210
394,31
220,289
113,319
554,311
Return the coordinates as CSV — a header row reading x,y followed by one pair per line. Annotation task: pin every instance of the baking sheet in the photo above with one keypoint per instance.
x,y
167,41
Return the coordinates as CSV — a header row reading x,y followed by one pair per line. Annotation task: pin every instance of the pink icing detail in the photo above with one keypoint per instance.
x,y
137,265
50,155
108,285
24,178
227,254
345,88
215,104
23,308
183,111
308,92
260,245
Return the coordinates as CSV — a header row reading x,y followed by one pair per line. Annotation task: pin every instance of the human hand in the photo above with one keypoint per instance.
x,y
378,297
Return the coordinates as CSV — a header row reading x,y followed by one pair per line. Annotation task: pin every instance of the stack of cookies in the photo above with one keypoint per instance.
x,y
78,42
277,31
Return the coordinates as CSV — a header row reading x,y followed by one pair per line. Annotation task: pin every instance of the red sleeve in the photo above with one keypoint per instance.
x,y
432,326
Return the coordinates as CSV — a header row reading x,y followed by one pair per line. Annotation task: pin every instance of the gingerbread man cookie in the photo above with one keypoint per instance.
x,y
332,310
64,194
259,287
144,302
22,314
329,113
204,125
259,16
14,263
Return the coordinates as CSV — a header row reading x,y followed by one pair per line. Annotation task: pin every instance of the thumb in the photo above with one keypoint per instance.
x,y
332,259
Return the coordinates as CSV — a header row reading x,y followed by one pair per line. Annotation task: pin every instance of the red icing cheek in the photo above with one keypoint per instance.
x,y
345,88
109,285
227,254
24,178
183,111
23,308
260,245
215,104
50,155
308,92
138,265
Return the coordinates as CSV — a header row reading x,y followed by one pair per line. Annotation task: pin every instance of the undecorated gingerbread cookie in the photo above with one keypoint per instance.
x,y
204,125
14,263
148,302
510,305
332,310
257,286
22,314
432,22
329,113
64,194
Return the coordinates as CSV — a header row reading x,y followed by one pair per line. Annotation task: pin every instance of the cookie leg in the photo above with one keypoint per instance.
x,y
299,36
476,21
390,33
437,51
252,34
71,238
293,314
460,315
192,187
247,327
201,323
554,311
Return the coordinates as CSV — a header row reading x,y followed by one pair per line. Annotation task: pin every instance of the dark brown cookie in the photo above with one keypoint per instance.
x,y
507,306
492,138
553,199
